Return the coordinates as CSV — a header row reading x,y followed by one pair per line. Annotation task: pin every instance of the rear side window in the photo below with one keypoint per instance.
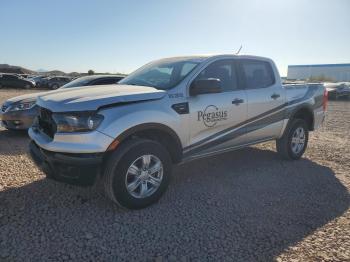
x,y
105,81
257,74
11,77
224,70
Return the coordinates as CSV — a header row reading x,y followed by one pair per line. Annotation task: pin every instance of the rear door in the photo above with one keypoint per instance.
x,y
52,81
215,118
265,99
62,81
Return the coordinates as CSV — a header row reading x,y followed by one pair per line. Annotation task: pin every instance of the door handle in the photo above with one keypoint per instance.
x,y
275,96
237,101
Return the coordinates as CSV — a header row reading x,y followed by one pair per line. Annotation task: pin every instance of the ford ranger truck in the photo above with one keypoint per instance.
x,y
167,112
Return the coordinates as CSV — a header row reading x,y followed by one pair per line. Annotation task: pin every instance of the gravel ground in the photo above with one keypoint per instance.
x,y
247,205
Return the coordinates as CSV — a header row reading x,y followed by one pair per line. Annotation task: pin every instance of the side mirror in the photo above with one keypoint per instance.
x,y
205,86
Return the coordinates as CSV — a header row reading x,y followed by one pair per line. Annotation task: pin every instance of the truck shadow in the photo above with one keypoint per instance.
x,y
246,205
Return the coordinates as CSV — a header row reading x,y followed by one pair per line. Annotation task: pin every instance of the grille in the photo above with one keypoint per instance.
x,y
3,108
46,123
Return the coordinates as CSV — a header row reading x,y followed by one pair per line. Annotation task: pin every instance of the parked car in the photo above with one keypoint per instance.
x,y
40,81
170,111
338,90
94,80
57,81
18,113
343,90
11,80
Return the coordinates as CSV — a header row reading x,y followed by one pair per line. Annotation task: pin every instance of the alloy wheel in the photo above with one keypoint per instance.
x,y
298,140
144,176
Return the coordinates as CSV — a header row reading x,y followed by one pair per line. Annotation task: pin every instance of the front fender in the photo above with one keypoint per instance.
x,y
121,121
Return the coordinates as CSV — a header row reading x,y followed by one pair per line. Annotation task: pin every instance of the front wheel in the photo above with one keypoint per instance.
x,y
137,173
293,143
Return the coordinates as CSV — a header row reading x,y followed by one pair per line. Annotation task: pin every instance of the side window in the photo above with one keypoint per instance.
x,y
224,70
105,81
258,74
11,77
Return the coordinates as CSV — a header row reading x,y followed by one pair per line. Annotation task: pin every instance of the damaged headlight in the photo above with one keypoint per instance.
x,y
21,106
76,122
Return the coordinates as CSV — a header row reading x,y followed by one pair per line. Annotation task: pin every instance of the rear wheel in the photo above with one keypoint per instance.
x,y
293,143
54,86
137,174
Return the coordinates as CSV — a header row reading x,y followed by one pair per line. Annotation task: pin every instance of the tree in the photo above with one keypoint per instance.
x,y
91,72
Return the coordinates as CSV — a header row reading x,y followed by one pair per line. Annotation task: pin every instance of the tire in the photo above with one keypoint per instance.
x,y
0,86
285,146
54,86
116,175
27,86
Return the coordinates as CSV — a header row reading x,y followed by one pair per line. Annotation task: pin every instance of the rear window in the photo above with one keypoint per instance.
x,y
10,77
258,74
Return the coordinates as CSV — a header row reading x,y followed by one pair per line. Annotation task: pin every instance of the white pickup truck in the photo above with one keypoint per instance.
x,y
167,112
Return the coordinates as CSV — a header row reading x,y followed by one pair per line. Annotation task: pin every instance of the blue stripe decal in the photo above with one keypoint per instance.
x,y
250,127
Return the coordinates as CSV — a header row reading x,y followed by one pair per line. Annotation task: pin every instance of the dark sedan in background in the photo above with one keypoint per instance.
x,y
18,113
40,81
55,82
338,90
16,81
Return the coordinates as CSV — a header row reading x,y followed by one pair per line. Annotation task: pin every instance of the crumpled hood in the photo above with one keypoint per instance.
x,y
24,98
93,97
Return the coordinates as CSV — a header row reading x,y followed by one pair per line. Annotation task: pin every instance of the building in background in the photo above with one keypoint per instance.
x,y
326,72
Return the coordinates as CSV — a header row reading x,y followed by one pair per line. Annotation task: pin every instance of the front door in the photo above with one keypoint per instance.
x,y
216,119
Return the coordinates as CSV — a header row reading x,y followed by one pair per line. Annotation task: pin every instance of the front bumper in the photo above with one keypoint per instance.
x,y
77,169
79,143
20,120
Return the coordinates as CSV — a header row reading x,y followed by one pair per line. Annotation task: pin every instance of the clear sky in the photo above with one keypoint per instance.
x,y
119,36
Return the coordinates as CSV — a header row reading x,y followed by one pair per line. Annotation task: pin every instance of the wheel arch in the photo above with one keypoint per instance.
x,y
304,112
157,132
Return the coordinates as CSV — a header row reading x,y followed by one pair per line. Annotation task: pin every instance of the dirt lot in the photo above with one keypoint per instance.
x,y
247,205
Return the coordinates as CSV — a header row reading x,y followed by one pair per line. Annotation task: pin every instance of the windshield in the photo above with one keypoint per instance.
x,y
82,81
163,74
